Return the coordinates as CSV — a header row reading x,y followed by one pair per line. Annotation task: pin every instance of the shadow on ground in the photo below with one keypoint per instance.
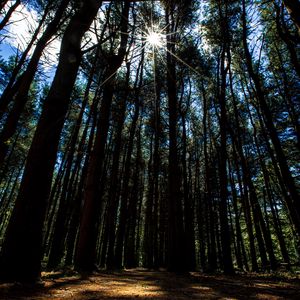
x,y
141,284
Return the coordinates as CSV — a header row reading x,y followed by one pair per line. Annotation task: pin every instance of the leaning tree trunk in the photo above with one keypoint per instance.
x,y
23,84
2,4
22,249
6,18
283,34
288,180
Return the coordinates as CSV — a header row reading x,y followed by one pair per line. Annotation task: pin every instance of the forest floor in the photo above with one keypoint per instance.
x,y
143,284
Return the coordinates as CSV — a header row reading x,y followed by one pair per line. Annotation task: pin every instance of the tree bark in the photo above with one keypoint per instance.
x,y
22,86
175,250
22,249
86,248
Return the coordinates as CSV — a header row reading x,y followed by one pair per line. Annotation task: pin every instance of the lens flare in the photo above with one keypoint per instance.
x,y
154,38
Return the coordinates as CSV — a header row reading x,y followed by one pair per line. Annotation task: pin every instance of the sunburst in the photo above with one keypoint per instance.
x,y
155,38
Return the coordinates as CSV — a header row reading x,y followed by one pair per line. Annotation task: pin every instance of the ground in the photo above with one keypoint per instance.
x,y
143,284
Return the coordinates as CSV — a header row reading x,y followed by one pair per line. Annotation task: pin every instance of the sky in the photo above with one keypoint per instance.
x,y
23,23
16,35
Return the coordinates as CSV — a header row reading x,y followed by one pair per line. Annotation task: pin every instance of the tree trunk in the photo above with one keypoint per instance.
x,y
22,86
21,251
225,233
176,244
126,229
9,13
287,178
62,219
283,33
2,4
113,194
86,248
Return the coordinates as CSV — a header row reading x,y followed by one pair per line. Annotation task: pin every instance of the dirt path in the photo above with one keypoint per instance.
x,y
141,284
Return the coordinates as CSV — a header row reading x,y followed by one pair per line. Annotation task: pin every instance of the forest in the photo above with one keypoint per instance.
x,y
160,135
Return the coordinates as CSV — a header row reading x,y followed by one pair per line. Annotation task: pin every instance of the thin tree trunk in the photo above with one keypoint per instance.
x,y
61,222
239,238
14,83
24,82
128,209
293,7
113,194
283,33
225,233
2,4
132,241
9,13
75,218
208,199
188,204
287,178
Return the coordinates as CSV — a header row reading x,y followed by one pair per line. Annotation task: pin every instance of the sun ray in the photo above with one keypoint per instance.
x,y
108,78
171,33
142,47
182,61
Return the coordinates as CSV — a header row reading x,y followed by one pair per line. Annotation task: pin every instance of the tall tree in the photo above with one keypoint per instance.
x,y
86,248
18,92
175,250
21,251
287,177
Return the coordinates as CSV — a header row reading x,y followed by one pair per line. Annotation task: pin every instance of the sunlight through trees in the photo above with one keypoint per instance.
x,y
156,134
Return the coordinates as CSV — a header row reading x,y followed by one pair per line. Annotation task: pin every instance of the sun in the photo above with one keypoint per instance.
x,y
154,38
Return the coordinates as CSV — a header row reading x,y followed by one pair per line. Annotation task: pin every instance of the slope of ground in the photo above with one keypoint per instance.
x,y
142,284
